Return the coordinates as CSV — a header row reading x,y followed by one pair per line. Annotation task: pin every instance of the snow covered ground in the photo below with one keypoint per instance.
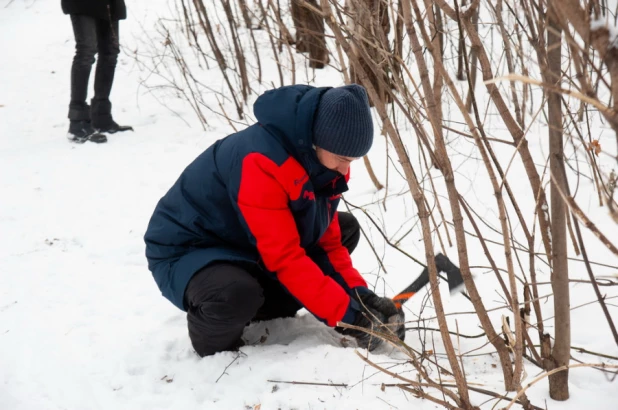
x,y
82,324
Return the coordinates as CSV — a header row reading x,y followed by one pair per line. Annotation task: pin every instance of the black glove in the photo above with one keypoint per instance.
x,y
394,318
397,323
377,314
370,319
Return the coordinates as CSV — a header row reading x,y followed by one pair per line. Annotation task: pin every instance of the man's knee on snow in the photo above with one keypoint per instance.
x,y
225,291
243,297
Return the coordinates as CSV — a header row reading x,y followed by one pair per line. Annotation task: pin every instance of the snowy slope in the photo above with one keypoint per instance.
x,y
82,324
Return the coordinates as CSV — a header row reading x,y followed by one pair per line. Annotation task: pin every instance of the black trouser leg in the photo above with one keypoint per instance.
x,y
278,302
223,297
350,230
220,300
85,31
108,48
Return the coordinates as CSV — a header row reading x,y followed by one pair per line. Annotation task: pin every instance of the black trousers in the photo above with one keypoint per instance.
x,y
93,36
223,297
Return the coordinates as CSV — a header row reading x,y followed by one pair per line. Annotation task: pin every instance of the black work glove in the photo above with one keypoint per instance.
x,y
377,314
370,319
394,318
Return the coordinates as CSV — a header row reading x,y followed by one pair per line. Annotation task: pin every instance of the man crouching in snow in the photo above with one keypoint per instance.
x,y
250,230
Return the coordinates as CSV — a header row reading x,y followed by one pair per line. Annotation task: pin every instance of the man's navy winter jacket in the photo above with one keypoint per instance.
x,y
261,196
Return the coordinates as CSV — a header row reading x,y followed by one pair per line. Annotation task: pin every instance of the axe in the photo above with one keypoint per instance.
x,y
443,264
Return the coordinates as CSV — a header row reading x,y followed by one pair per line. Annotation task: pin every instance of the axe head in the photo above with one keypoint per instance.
x,y
455,282
444,264
453,274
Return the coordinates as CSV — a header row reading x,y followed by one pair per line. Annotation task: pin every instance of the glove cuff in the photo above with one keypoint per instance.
x,y
361,290
352,312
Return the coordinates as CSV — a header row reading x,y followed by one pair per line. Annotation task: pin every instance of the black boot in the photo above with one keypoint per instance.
x,y
112,127
82,131
101,116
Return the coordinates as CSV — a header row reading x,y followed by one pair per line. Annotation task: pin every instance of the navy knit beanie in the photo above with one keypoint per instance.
x,y
342,123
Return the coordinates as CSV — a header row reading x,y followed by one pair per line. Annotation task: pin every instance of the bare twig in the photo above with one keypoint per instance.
x,y
309,383
228,366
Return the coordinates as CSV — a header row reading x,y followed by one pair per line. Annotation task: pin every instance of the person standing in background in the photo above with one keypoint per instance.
x,y
95,26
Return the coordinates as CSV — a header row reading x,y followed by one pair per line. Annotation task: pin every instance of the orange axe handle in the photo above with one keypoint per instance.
x,y
402,298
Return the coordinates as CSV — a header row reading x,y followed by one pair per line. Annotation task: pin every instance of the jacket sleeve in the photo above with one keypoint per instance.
x,y
339,256
263,195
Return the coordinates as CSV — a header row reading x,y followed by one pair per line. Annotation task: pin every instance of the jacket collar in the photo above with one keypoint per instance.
x,y
326,182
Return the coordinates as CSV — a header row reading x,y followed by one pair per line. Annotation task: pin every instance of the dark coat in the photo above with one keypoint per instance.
x,y
101,9
260,196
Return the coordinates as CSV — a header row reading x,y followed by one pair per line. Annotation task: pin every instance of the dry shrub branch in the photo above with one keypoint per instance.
x,y
515,87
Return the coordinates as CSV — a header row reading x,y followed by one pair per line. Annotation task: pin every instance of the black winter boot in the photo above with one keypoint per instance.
x,y
112,127
82,131
101,116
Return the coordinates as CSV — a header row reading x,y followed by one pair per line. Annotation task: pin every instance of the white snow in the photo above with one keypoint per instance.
x,y
82,324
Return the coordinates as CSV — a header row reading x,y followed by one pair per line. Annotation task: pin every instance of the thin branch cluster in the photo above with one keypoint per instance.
x,y
450,81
